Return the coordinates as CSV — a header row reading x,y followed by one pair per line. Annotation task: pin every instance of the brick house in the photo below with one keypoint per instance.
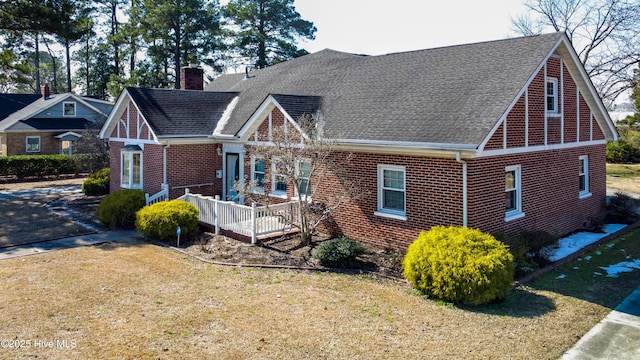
x,y
502,136
45,123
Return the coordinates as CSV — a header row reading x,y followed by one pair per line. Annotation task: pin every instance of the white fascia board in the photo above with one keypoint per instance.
x,y
586,87
530,149
115,114
264,109
521,92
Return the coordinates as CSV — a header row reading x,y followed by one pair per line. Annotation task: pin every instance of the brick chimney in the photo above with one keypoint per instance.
x,y
45,91
191,78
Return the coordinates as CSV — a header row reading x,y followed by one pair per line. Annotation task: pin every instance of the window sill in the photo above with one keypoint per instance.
x,y
297,198
397,216
513,216
279,195
584,195
554,115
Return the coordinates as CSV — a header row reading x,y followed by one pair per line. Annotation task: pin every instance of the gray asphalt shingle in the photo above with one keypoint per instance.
x,y
452,95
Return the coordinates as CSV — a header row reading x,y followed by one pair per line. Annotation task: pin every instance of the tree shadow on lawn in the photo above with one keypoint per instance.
x,y
25,221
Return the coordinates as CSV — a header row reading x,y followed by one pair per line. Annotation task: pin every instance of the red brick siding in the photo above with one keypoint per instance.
x,y
16,143
570,112
114,165
585,121
496,142
516,125
536,94
195,164
549,191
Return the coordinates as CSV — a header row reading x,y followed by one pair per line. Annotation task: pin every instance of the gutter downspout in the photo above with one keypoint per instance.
x,y
164,162
464,190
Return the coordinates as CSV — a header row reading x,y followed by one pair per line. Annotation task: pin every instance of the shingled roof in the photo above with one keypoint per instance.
x,y
448,95
10,103
181,112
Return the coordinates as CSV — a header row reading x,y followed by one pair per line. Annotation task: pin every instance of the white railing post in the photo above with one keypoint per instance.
x,y
216,215
253,224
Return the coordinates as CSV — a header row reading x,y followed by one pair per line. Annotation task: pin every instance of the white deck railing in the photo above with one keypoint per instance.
x,y
162,195
252,221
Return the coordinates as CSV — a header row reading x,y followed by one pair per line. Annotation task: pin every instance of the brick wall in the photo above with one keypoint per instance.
x,y
550,191
16,143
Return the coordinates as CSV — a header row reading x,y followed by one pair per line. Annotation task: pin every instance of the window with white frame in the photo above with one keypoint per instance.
x,y
583,176
33,143
552,95
131,169
304,177
278,179
513,192
391,191
257,174
69,108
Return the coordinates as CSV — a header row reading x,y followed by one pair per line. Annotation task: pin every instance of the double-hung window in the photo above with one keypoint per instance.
x,y
583,176
131,167
33,143
392,191
278,179
304,178
513,192
552,95
257,174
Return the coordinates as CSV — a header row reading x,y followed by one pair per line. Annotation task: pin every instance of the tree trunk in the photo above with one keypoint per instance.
x,y
67,46
37,63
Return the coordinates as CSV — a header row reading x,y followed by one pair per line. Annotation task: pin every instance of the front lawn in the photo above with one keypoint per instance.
x,y
137,300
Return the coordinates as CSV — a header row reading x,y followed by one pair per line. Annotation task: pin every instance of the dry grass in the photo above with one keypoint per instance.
x,y
624,177
142,301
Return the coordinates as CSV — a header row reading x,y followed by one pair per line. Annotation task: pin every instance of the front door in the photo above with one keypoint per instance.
x,y
232,175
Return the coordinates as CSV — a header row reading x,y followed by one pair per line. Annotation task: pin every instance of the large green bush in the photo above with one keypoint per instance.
x,y
622,208
118,210
459,265
341,252
97,183
161,220
621,151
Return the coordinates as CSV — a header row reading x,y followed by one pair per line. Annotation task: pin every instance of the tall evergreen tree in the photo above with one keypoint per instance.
x,y
178,32
266,30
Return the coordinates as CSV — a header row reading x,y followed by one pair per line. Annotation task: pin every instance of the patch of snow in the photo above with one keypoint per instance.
x,y
622,267
598,252
576,268
588,257
609,246
571,244
561,276
597,273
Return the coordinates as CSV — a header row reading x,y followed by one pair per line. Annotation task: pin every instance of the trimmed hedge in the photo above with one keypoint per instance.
x,y
24,166
341,252
97,183
161,220
118,210
459,265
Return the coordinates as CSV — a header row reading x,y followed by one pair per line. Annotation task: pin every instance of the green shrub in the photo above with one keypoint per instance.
x,y
620,152
24,166
97,183
622,208
340,253
459,265
118,210
161,220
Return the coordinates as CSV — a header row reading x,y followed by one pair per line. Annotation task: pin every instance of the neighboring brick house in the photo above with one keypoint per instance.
x,y
502,136
45,123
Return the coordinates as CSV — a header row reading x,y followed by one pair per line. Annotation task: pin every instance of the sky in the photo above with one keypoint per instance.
x,y
381,27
